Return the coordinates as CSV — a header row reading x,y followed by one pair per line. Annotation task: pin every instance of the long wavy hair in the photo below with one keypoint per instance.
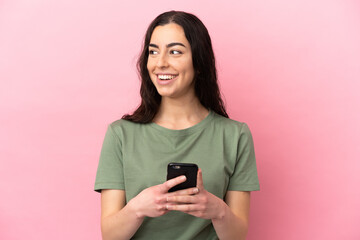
x,y
205,79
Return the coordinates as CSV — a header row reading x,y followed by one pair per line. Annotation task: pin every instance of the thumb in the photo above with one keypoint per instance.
x,y
200,183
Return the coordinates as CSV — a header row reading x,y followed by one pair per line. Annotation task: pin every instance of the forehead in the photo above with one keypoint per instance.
x,y
165,34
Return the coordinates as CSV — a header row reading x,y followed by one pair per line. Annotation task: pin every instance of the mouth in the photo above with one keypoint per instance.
x,y
166,77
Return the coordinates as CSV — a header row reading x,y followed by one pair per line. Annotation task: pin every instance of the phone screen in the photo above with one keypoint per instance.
x,y
177,169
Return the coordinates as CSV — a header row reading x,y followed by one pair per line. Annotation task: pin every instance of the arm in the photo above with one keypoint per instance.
x,y
234,218
121,221
118,221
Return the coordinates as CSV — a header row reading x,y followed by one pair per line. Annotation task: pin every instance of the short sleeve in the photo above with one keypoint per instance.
x,y
110,169
245,176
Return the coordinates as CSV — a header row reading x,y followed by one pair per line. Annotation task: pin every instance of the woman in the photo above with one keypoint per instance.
x,y
181,119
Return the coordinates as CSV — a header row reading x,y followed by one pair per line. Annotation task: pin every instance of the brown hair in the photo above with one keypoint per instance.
x,y
206,84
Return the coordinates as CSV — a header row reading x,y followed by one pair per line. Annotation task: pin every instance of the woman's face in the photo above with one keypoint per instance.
x,y
170,62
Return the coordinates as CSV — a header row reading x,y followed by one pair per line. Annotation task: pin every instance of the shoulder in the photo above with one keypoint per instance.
x,y
122,123
123,127
231,125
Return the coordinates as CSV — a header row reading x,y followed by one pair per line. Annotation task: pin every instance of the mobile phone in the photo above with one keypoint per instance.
x,y
177,169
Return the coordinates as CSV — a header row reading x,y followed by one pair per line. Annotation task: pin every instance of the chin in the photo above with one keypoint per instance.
x,y
169,95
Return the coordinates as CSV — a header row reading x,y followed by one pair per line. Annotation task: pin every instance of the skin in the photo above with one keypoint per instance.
x,y
170,52
179,109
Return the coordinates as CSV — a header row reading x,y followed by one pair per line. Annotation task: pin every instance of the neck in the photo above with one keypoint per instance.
x,y
180,113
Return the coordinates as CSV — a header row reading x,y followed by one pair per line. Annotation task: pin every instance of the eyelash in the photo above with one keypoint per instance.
x,y
152,52
175,51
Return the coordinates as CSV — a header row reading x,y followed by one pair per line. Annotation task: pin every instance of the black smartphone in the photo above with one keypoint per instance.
x,y
177,169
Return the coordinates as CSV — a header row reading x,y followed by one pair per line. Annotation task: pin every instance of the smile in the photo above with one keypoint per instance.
x,y
166,77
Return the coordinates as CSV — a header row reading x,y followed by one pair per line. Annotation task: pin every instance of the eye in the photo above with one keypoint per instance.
x,y
153,52
175,52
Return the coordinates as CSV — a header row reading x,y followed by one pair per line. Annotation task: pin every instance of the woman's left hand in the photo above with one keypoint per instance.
x,y
202,204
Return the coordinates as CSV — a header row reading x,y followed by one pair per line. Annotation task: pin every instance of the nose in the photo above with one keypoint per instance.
x,y
162,61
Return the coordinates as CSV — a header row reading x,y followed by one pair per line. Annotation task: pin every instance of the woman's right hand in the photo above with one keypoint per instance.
x,y
152,201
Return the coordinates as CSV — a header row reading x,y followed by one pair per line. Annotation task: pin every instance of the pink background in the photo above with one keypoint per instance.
x,y
290,69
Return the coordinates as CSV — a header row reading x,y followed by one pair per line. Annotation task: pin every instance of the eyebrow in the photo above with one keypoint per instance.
x,y
168,45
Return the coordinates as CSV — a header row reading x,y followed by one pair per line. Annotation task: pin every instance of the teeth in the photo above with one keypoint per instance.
x,y
166,77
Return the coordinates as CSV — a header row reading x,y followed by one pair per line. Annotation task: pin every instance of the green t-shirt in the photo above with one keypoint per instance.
x,y
135,156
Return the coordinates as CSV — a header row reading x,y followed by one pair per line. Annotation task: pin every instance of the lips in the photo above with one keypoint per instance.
x,y
164,79
166,76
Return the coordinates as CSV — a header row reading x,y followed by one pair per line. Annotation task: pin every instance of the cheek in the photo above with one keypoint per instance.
x,y
190,71
189,68
150,64
150,70
186,66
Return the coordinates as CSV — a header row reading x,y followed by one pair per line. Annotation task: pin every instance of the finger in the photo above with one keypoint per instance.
x,y
172,182
161,208
188,191
181,199
163,212
200,183
183,207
